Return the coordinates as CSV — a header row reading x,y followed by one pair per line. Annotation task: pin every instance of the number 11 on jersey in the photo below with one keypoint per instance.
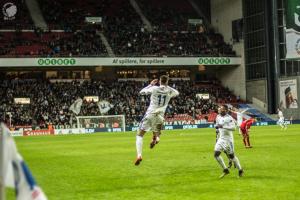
x,y
160,97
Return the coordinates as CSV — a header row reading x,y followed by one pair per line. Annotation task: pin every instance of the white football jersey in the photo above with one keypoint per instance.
x,y
217,118
280,114
160,97
228,126
239,118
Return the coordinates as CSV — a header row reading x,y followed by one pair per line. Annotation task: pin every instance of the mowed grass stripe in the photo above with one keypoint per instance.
x,y
182,166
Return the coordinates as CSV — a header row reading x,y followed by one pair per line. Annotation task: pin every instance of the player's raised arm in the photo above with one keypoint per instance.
x,y
174,92
148,90
245,110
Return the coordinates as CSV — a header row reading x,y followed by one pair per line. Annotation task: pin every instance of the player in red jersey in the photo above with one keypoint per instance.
x,y
244,127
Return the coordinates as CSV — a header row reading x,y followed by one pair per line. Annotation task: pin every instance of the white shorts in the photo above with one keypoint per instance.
x,y
151,122
225,146
280,121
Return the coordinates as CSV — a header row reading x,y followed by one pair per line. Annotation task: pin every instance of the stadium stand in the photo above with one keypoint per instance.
x,y
169,43
124,43
50,102
69,35
168,15
255,113
80,43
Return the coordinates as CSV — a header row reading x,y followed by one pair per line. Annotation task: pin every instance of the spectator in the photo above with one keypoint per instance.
x,y
50,102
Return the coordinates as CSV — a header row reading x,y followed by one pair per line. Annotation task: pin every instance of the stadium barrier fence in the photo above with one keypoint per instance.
x,y
67,131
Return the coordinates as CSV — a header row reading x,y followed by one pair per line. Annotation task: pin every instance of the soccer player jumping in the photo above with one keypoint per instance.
x,y
154,117
225,124
244,127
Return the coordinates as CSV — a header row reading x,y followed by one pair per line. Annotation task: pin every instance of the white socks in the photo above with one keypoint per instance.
x,y
237,162
221,161
139,145
282,126
157,138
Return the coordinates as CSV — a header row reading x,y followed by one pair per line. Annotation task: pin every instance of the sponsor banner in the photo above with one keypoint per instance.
x,y
22,100
56,61
261,124
65,126
23,127
287,122
202,96
91,98
288,94
166,123
189,126
185,122
68,80
292,44
69,131
195,21
38,132
93,20
108,130
130,128
171,127
293,14
133,79
16,133
118,61
292,29
169,122
215,61
90,130
146,79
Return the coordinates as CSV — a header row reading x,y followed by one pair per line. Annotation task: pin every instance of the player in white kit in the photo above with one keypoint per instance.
x,y
225,124
154,117
281,121
218,136
239,118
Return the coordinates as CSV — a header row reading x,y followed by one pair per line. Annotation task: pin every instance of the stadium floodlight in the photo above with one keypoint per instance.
x,y
109,122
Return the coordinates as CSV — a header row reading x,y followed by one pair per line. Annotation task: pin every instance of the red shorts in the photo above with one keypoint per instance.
x,y
244,131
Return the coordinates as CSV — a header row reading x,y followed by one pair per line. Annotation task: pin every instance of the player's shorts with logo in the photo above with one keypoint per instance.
x,y
225,145
151,122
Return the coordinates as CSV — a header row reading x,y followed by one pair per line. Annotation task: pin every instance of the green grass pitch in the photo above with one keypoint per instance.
x,y
181,167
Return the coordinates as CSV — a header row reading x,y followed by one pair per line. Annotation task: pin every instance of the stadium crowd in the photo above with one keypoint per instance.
x,y
169,44
85,42
50,102
88,42
121,24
